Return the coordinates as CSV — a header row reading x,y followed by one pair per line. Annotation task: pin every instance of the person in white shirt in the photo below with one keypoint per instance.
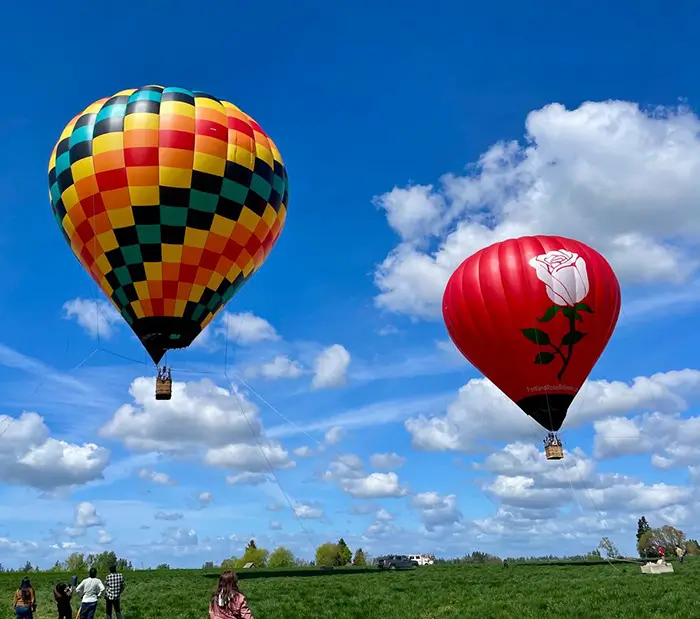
x,y
91,589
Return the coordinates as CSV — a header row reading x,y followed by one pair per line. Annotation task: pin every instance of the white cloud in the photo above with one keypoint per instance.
x,y
247,479
205,498
437,510
672,439
161,515
606,173
252,458
481,411
200,417
246,328
303,452
308,512
334,435
95,317
86,517
386,461
275,525
347,471
30,456
104,538
160,479
280,367
330,367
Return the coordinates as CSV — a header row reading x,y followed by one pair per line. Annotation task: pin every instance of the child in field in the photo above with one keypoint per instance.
x,y
25,600
62,593
227,602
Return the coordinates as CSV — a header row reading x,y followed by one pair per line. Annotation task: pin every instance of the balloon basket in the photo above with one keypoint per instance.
x,y
164,388
554,452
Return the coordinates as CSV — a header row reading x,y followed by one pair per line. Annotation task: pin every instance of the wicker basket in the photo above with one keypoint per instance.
x,y
554,452
164,388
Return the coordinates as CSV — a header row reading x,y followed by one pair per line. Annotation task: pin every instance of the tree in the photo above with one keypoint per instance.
x,y
666,537
642,527
75,563
344,553
360,560
692,547
208,565
253,554
611,551
163,566
229,564
281,557
327,555
57,567
27,567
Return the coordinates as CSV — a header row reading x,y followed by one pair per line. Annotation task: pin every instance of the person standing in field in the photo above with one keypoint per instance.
x,y
24,601
62,593
113,591
91,589
680,554
227,601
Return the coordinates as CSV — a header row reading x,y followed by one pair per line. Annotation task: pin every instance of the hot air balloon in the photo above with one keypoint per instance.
x,y
171,200
534,314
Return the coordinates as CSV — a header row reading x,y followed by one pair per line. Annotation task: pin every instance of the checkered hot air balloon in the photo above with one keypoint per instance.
x,y
171,199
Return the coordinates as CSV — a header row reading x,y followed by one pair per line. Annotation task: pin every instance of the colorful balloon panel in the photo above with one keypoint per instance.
x,y
171,199
534,314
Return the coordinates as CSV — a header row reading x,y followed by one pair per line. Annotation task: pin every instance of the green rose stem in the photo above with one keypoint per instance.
x,y
572,330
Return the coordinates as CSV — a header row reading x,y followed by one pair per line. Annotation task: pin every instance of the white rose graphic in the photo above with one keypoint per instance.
x,y
564,276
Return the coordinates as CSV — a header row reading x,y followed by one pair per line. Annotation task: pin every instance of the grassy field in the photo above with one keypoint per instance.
x,y
463,592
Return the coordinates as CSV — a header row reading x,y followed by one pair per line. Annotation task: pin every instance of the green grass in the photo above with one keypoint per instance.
x,y
461,592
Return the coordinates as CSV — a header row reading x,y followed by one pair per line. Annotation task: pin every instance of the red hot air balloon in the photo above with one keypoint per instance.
x,y
534,314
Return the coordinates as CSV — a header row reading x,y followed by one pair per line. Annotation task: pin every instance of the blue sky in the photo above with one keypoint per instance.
x,y
412,139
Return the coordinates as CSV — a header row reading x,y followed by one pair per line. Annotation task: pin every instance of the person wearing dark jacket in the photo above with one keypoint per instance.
x,y
62,593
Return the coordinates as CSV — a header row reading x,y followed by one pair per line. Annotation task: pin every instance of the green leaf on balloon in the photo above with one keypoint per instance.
x,y
543,358
536,336
582,307
549,314
570,313
572,337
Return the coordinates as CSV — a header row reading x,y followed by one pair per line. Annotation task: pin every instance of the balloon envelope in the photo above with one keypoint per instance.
x,y
534,314
171,199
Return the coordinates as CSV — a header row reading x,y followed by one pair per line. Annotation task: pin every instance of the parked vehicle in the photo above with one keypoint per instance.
x,y
395,562
419,560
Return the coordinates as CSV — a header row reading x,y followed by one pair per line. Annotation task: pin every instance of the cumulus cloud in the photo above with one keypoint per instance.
x,y
436,510
334,435
482,412
104,538
607,173
95,317
330,367
275,525
540,497
308,512
246,328
386,461
348,472
30,456
160,479
280,367
671,439
86,517
200,417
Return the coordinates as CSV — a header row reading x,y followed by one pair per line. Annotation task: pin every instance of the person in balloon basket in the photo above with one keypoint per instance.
x,y
91,589
227,601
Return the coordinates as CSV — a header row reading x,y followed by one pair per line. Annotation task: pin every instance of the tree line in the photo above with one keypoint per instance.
x,y
328,554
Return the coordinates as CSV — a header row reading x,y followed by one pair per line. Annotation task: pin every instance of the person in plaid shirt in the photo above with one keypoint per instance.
x,y
114,587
